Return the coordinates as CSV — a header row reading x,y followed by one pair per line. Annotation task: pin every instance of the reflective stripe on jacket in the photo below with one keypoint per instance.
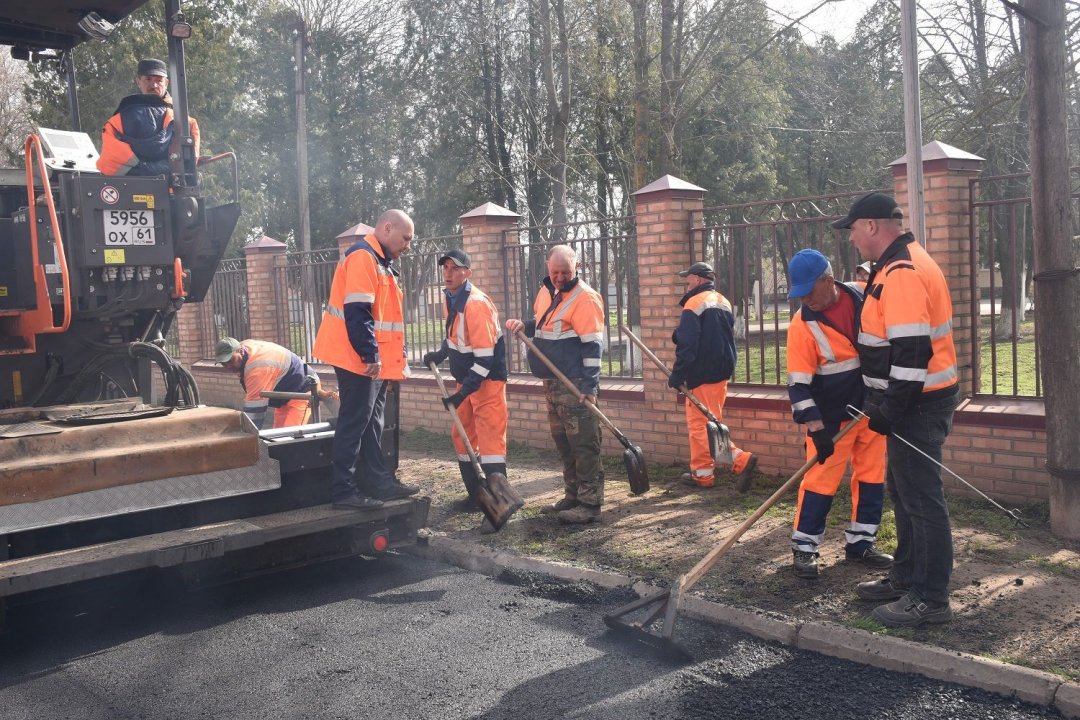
x,y
364,320
269,366
823,366
135,140
705,338
905,337
474,342
571,334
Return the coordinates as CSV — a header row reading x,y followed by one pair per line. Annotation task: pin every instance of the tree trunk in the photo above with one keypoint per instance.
x,y
640,141
667,86
1058,286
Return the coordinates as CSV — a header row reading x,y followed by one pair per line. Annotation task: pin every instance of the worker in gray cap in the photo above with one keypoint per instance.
x,y
705,360
136,140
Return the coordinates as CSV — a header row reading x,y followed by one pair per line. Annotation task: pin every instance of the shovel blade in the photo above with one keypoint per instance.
x,y
719,444
497,499
636,470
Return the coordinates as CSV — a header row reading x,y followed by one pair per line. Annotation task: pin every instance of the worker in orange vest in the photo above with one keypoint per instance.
x,y
476,349
363,336
705,361
268,366
137,138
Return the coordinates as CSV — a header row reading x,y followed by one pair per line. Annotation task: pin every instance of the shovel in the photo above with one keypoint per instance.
x,y
636,471
667,601
496,498
719,435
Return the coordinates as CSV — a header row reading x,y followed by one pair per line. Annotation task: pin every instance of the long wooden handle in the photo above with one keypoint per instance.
x,y
458,424
703,566
569,384
660,364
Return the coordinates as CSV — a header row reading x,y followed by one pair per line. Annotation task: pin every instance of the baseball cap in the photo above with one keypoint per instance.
x,y
225,348
865,267
459,257
872,206
152,66
804,269
700,269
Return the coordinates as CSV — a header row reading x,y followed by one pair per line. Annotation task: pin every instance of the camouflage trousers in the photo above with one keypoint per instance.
x,y
576,432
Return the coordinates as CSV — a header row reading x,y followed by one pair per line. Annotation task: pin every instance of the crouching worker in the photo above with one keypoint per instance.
x,y
266,366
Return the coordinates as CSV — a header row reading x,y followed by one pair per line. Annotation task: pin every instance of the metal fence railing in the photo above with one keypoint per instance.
x,y
1005,354
421,279
607,261
229,304
749,245
303,285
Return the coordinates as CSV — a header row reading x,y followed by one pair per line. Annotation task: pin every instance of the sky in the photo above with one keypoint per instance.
x,y
838,18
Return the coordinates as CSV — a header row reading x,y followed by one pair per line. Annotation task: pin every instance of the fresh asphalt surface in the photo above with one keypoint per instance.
x,y
404,638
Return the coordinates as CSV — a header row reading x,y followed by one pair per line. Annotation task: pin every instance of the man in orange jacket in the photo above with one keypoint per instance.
x,y
824,377
908,364
476,349
268,366
363,336
568,327
137,138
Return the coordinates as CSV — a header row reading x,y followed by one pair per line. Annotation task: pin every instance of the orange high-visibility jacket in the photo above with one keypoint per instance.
x,y
269,366
905,336
136,139
364,320
824,376
570,334
474,339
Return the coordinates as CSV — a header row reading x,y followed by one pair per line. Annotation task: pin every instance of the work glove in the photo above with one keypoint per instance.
x,y
823,444
675,380
432,358
878,422
453,401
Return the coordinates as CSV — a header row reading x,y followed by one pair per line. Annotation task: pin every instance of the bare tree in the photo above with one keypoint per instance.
x,y
14,110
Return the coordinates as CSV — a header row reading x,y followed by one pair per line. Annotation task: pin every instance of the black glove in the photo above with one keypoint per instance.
x,y
432,358
878,422
453,401
823,444
675,380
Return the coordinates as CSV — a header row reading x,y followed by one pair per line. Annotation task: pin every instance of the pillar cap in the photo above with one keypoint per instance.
x,y
670,186
491,212
358,230
264,244
938,156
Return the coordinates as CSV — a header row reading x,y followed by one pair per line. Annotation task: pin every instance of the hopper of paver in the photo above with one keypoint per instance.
x,y
59,466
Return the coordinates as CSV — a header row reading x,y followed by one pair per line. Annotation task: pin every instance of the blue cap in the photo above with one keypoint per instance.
x,y
805,268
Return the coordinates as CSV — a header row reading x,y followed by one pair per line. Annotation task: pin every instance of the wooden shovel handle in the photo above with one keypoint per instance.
x,y
705,564
459,425
570,384
660,364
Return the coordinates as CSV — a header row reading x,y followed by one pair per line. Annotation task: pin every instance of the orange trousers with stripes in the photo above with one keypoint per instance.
x,y
712,396
294,412
483,413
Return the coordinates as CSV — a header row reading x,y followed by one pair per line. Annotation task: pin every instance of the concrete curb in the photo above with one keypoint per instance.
x,y
827,638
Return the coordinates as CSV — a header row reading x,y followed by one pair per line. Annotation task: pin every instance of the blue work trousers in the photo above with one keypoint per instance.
x,y
358,466
924,547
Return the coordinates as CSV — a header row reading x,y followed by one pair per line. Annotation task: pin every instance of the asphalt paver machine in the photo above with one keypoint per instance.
x,y
96,478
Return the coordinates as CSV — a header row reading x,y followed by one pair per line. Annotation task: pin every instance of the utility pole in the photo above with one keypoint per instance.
x,y
1057,278
912,119
307,289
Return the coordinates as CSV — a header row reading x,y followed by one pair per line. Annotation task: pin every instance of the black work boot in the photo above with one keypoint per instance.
x,y
871,557
911,611
880,590
805,564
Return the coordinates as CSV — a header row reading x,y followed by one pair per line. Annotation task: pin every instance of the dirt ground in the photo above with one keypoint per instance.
x,y
1015,591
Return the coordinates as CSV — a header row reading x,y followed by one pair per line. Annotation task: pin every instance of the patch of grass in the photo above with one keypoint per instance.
x,y
424,441
979,514
1055,567
1024,661
866,623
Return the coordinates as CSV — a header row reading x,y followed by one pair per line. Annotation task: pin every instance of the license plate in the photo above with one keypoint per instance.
x,y
129,227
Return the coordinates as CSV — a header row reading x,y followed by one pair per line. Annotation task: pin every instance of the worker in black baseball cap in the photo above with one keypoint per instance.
x,y
872,206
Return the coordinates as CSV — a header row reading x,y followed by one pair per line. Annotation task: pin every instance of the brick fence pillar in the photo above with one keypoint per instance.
x,y
662,213
484,236
357,232
946,172
267,291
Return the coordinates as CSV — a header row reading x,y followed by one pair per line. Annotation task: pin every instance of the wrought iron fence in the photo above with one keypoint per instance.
x,y
229,304
421,279
303,284
607,261
1005,353
749,245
